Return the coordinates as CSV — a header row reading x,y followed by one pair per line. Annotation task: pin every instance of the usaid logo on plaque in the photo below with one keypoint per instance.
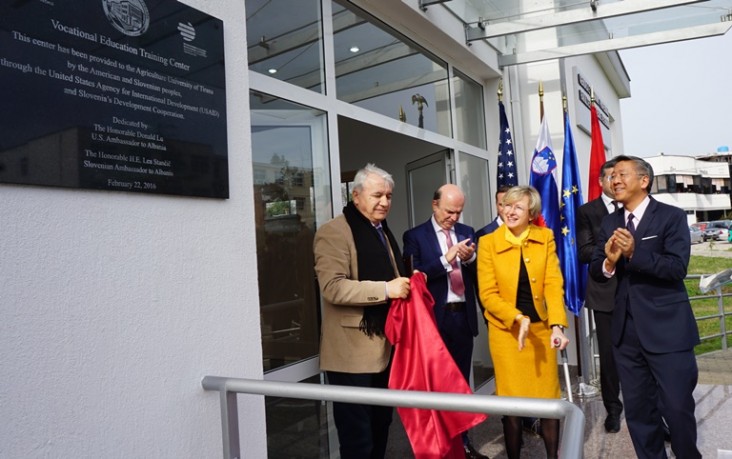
x,y
187,31
128,16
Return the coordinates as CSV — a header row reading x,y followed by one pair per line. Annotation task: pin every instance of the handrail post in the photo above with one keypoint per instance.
x,y
722,322
229,416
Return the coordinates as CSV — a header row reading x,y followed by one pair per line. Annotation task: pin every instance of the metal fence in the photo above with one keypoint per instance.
x,y
573,431
720,315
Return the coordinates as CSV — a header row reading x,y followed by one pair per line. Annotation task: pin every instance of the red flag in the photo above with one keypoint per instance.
x,y
422,362
597,156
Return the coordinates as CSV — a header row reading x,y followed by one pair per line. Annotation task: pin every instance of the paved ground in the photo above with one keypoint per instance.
x,y
713,249
713,412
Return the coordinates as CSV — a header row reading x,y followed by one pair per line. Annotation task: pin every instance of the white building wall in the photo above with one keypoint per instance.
x,y
592,72
115,305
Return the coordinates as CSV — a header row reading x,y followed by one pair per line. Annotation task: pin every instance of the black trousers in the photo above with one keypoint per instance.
x,y
458,339
609,382
656,385
363,430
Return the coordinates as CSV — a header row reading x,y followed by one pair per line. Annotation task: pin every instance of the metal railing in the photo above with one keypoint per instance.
x,y
721,315
573,431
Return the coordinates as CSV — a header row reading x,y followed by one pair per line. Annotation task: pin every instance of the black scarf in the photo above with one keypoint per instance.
x,y
374,264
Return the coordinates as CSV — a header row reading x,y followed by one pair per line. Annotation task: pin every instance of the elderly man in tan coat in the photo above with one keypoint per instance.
x,y
360,269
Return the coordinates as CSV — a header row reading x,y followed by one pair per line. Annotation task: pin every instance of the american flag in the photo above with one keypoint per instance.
x,y
506,172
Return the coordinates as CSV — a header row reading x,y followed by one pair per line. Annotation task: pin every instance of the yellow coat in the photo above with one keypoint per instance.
x,y
498,273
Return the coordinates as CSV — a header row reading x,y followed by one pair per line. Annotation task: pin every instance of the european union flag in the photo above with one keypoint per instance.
x,y
573,271
506,171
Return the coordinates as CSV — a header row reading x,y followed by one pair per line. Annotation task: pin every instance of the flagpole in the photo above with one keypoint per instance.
x,y
582,324
500,90
576,318
573,271
541,100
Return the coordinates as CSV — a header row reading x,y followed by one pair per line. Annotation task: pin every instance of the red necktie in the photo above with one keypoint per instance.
x,y
456,277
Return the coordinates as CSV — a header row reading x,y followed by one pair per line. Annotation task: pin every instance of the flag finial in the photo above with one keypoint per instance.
x,y
500,90
592,95
541,99
564,102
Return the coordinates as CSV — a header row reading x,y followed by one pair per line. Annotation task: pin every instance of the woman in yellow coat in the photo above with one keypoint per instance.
x,y
521,288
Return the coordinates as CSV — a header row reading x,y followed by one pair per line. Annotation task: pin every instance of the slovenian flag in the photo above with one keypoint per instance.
x,y
543,172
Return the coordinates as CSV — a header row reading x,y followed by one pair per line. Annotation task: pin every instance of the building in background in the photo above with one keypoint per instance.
x,y
700,187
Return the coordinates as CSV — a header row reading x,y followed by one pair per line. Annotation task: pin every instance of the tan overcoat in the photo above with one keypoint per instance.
x,y
343,347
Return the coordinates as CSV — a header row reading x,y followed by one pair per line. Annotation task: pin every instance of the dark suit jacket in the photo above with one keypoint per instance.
x,y
487,229
599,295
422,245
651,283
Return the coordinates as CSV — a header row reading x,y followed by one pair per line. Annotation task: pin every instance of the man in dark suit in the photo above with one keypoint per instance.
x,y
600,296
498,221
444,250
646,247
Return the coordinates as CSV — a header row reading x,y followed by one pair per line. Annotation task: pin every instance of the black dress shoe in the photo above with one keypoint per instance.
x,y
471,453
612,423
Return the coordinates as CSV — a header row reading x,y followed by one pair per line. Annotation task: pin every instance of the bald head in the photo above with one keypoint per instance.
x,y
447,205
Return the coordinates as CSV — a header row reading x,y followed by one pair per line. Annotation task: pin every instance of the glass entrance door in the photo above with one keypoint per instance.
x,y
473,179
424,176
291,197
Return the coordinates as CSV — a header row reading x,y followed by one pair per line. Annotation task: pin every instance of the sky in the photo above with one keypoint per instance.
x,y
681,98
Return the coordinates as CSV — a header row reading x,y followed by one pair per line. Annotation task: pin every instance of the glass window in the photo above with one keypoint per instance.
x,y
296,428
469,111
660,184
381,71
291,196
474,181
285,41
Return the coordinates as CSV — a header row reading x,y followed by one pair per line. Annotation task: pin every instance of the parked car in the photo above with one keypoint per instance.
x,y
696,234
701,226
717,230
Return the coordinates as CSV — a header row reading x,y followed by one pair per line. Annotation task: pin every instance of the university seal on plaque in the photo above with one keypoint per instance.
x,y
130,17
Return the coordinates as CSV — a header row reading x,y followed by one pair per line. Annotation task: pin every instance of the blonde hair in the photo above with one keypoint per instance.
x,y
517,193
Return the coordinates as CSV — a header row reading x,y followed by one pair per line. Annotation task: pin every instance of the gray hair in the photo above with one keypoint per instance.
x,y
367,170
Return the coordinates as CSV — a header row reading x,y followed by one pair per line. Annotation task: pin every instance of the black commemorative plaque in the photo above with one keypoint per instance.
x,y
125,95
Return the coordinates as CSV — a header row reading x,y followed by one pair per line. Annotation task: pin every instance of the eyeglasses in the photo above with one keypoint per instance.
x,y
623,176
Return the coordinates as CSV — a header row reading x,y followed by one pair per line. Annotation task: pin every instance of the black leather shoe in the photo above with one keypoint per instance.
x,y
471,453
612,423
